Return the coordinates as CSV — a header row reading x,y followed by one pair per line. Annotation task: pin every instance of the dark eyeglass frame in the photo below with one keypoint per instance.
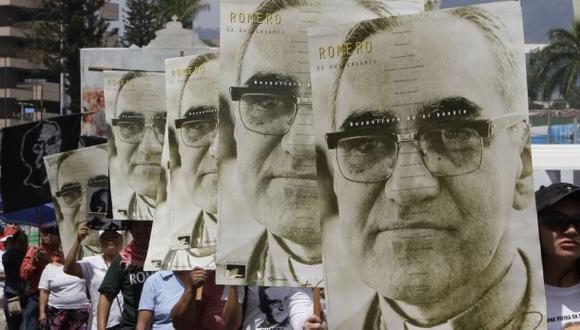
x,y
547,219
485,128
142,120
192,118
237,92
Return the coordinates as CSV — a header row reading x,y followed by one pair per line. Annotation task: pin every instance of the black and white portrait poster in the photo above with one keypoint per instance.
x,y
72,175
269,229
24,179
422,122
133,58
135,109
186,237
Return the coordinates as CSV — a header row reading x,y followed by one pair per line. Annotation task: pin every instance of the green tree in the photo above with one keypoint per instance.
x,y
185,10
60,29
557,68
140,22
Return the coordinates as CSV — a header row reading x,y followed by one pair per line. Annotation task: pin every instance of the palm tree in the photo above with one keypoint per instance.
x,y
558,66
185,10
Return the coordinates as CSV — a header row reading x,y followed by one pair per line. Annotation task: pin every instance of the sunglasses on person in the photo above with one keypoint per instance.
x,y
557,221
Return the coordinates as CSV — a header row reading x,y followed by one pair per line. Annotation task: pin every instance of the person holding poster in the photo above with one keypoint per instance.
x,y
274,170
559,222
192,113
93,270
125,275
136,113
426,126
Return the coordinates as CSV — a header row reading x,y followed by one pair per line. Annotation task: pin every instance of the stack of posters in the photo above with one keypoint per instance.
x,y
184,232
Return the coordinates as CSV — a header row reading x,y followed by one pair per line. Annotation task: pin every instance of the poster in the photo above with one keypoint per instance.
x,y
24,180
72,176
136,116
269,229
133,58
424,127
556,163
185,236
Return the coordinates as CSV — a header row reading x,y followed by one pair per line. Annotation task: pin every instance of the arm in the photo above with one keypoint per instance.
x,y
28,266
144,319
109,289
71,265
103,309
232,313
186,313
301,307
42,302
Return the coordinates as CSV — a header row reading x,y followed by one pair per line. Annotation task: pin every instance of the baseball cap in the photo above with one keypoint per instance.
x,y
552,194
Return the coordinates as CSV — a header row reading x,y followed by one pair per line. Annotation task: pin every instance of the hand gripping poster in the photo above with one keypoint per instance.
x,y
135,111
72,175
269,203
423,124
186,236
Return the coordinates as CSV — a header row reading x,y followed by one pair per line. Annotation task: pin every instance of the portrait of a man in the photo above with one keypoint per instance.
x,y
136,115
70,173
274,166
41,140
429,146
192,104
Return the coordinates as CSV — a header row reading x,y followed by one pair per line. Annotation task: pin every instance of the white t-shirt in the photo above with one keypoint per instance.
x,y
66,292
275,308
94,270
563,306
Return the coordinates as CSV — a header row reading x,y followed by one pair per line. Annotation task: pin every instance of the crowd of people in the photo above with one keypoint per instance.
x,y
46,290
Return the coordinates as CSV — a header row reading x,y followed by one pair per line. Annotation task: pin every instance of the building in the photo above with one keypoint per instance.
x,y
20,78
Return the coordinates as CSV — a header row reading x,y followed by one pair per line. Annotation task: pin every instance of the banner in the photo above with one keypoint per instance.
x,y
187,237
79,183
136,116
269,230
423,122
24,180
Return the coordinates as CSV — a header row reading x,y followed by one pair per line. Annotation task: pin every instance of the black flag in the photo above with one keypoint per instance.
x,y
24,181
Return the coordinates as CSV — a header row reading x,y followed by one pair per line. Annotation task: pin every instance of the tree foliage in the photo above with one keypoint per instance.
x,y
60,29
185,10
141,22
556,68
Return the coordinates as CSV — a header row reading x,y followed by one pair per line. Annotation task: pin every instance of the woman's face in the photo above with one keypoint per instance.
x,y
559,231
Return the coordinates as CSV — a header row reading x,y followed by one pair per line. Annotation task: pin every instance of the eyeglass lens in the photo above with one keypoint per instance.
x,y
445,152
267,113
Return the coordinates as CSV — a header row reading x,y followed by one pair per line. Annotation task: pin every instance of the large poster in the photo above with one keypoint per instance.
x,y
72,175
24,180
92,90
186,236
136,116
269,229
424,127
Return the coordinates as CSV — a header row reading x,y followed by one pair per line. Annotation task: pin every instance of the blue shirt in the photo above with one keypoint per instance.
x,y
161,292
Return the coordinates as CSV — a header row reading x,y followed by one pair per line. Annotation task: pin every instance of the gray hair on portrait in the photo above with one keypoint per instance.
x,y
493,29
192,66
272,6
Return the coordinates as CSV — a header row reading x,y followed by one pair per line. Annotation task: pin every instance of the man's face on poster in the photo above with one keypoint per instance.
x,y
197,137
278,304
72,178
413,235
139,135
274,138
48,143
